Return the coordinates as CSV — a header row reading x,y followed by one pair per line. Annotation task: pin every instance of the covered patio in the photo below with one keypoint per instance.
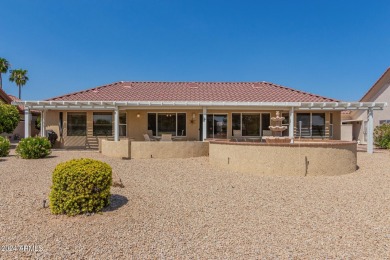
x,y
194,110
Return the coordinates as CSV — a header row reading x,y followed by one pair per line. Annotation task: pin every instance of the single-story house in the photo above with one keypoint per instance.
x,y
19,130
189,111
355,122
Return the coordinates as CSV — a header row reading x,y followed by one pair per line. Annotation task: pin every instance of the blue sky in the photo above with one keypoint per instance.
x,y
336,49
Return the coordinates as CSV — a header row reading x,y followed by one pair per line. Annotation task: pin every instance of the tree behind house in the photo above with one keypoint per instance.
x,y
19,76
4,66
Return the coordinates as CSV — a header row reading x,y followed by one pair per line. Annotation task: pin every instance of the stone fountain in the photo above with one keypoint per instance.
x,y
277,130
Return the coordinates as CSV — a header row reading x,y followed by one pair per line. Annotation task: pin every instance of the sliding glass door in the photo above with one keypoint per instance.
x,y
216,125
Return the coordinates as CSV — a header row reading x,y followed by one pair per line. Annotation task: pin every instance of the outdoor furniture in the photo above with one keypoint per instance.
x,y
150,134
166,137
237,136
179,138
147,138
267,133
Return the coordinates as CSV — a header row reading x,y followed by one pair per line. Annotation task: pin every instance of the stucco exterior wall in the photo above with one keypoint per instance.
x,y
346,132
285,159
177,149
120,149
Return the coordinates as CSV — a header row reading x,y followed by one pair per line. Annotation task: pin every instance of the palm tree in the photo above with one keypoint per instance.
x,y
4,66
19,76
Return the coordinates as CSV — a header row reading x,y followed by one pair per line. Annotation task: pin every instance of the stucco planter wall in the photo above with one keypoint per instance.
x,y
120,149
299,159
176,149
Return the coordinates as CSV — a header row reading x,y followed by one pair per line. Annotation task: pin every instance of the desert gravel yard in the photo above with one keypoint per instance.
x,y
185,208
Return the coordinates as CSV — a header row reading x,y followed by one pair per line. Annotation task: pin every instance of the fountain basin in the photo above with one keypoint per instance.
x,y
305,158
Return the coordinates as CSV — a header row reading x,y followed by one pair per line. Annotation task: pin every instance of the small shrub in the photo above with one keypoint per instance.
x,y
4,146
33,148
382,136
9,118
80,186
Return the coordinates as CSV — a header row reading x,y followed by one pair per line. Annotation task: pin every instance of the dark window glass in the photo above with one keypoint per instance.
x,y
122,124
166,123
250,124
181,124
76,124
102,124
236,122
152,123
305,119
265,122
318,124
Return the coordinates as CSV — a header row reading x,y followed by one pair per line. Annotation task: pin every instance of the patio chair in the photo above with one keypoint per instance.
x,y
147,138
150,134
237,136
166,137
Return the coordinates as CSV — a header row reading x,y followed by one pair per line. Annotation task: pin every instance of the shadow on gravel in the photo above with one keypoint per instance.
x,y
116,201
50,156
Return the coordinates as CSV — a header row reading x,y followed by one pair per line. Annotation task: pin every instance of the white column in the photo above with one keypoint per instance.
x,y
27,123
204,129
370,130
291,125
43,124
116,124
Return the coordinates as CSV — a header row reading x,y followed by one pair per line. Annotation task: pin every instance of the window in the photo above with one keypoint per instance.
x,y
312,124
102,123
77,124
251,124
122,124
167,123
381,122
286,123
318,124
331,125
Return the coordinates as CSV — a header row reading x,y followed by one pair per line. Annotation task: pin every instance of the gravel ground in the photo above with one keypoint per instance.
x,y
185,208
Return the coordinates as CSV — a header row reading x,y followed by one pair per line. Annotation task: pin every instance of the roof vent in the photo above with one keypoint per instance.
x,y
256,85
95,90
127,86
192,85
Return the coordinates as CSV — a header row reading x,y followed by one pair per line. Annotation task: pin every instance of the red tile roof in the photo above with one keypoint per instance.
x,y
193,91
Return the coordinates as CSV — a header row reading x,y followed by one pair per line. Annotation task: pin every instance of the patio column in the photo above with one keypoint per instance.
x,y
116,124
204,129
370,131
43,123
27,123
291,126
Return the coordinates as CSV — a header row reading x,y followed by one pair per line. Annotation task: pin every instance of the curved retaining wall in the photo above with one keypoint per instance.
x,y
298,159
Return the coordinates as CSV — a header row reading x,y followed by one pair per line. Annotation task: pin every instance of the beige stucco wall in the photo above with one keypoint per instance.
x,y
176,149
285,159
120,149
380,92
346,132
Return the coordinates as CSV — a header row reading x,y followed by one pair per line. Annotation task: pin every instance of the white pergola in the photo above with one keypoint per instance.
x,y
115,106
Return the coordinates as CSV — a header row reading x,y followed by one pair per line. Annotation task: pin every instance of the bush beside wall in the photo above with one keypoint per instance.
x,y
80,186
382,136
33,148
4,146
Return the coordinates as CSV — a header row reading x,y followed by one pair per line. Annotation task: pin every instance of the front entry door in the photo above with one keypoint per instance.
x,y
216,125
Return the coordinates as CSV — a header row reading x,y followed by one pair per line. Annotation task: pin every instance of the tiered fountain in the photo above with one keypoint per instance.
x,y
277,130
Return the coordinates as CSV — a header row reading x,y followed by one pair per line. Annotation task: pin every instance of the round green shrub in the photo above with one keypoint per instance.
x,y
382,136
80,186
4,146
33,148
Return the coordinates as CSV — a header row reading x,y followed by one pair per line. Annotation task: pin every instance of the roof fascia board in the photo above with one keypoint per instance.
x,y
112,104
